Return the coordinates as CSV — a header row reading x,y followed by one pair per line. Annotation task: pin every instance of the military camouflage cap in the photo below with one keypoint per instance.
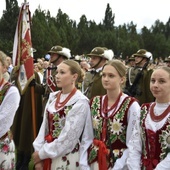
x,y
61,51
55,49
97,51
101,52
143,53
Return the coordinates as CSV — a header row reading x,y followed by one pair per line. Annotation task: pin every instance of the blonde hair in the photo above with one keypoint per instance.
x,y
119,66
3,59
167,69
75,68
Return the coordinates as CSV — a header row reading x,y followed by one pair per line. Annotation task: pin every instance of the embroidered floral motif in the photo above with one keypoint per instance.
x,y
142,118
116,152
67,109
120,131
59,121
93,154
95,105
2,165
4,147
3,91
5,143
164,139
143,114
96,118
77,164
65,159
116,127
96,122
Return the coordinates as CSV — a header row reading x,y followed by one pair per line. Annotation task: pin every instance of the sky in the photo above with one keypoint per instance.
x,y
142,13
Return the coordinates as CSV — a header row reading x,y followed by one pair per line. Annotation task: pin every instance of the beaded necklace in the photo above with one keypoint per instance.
x,y
105,111
59,104
156,118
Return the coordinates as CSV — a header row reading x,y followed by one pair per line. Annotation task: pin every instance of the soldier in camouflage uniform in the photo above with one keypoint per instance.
x,y
92,81
130,74
140,85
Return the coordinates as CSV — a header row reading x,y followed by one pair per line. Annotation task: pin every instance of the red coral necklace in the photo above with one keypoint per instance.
x,y
105,111
59,104
160,117
105,104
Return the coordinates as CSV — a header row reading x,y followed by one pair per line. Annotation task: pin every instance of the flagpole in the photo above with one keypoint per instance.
x,y
33,108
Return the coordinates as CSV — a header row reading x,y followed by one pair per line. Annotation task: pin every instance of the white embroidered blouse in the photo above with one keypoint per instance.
x,y
77,120
135,143
8,108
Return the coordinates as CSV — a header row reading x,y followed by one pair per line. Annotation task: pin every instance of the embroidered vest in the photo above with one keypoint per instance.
x,y
116,128
155,144
4,91
56,122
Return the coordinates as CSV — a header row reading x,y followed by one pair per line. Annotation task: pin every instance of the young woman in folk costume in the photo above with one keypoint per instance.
x,y
114,116
9,102
149,146
67,123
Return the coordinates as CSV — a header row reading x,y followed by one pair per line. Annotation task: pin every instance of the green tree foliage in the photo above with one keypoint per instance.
x,y
82,37
8,23
108,21
43,29
167,29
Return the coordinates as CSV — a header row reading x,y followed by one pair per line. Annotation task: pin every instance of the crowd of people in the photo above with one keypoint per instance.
x,y
93,112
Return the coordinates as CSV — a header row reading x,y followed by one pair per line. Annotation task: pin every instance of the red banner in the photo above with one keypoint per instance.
x,y
22,49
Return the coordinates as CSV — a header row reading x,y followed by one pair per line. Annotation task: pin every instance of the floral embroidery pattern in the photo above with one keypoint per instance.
x,y
116,128
4,147
2,165
96,118
143,115
5,150
164,139
93,153
3,91
59,121
96,122
117,153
